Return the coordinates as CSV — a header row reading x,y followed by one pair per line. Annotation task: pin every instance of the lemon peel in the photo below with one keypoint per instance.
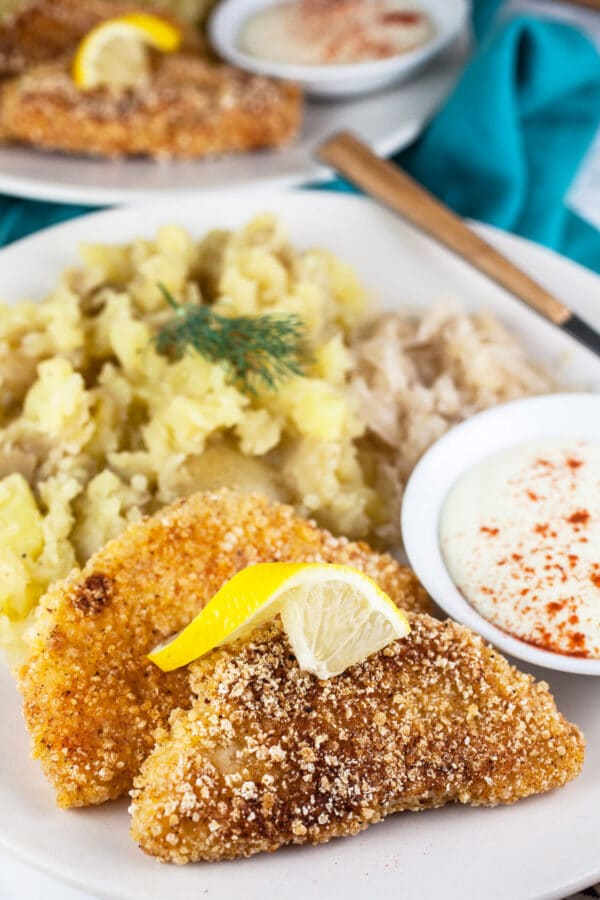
x,y
114,53
334,616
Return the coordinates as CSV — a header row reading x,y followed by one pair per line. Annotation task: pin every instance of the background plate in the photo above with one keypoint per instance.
x,y
540,849
388,121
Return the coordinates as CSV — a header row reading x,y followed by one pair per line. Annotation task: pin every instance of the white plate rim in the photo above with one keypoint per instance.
x,y
430,482
66,231
21,187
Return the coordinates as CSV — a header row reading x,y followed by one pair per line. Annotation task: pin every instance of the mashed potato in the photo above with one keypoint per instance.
x,y
97,429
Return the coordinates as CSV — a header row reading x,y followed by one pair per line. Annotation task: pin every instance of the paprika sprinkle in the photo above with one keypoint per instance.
x,y
520,535
335,32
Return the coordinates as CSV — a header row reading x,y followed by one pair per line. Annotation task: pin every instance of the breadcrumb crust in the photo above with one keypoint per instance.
x,y
47,29
190,106
269,755
92,700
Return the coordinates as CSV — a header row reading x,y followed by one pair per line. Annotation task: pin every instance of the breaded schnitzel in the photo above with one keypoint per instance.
x,y
191,106
92,700
269,755
49,29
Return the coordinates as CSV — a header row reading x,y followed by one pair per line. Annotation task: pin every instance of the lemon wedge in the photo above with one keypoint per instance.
x,y
115,51
334,616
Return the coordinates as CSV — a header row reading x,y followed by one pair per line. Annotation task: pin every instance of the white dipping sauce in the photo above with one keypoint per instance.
x,y
321,32
520,535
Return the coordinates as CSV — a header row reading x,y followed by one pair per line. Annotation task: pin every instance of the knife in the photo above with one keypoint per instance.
x,y
391,186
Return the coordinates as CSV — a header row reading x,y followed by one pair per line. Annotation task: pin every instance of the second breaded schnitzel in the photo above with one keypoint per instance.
x,y
92,700
48,29
189,106
270,755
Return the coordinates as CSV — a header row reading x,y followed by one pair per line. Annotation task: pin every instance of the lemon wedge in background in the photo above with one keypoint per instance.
x,y
115,51
334,616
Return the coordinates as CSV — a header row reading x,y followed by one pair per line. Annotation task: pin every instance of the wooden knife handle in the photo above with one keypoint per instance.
x,y
589,4
394,188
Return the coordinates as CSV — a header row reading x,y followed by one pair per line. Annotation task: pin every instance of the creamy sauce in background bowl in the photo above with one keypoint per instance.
x,y
520,536
335,32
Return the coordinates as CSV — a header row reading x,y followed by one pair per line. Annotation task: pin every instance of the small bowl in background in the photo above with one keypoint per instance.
x,y
335,81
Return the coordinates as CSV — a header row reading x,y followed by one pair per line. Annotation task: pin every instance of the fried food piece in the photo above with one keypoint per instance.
x,y
269,755
92,700
189,108
49,29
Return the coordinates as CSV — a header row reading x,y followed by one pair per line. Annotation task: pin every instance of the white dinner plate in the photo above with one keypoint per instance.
x,y
540,849
388,121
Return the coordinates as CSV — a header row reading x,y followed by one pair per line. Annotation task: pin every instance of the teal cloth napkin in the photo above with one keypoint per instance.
x,y
19,218
483,15
508,142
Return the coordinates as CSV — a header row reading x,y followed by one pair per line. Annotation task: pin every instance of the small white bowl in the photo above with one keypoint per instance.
x,y
226,23
552,416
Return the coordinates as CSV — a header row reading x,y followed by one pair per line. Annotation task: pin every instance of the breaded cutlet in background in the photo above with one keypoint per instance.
x,y
41,31
194,11
189,106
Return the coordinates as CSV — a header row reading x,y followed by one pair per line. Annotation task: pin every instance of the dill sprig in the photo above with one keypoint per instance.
x,y
254,349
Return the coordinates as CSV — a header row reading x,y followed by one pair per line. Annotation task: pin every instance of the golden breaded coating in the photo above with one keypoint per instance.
x,y
269,755
189,108
92,700
45,30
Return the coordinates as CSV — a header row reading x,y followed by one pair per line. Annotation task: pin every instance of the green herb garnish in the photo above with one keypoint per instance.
x,y
266,348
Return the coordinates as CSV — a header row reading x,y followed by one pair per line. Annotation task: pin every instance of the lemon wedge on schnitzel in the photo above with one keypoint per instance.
x,y
115,52
334,616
